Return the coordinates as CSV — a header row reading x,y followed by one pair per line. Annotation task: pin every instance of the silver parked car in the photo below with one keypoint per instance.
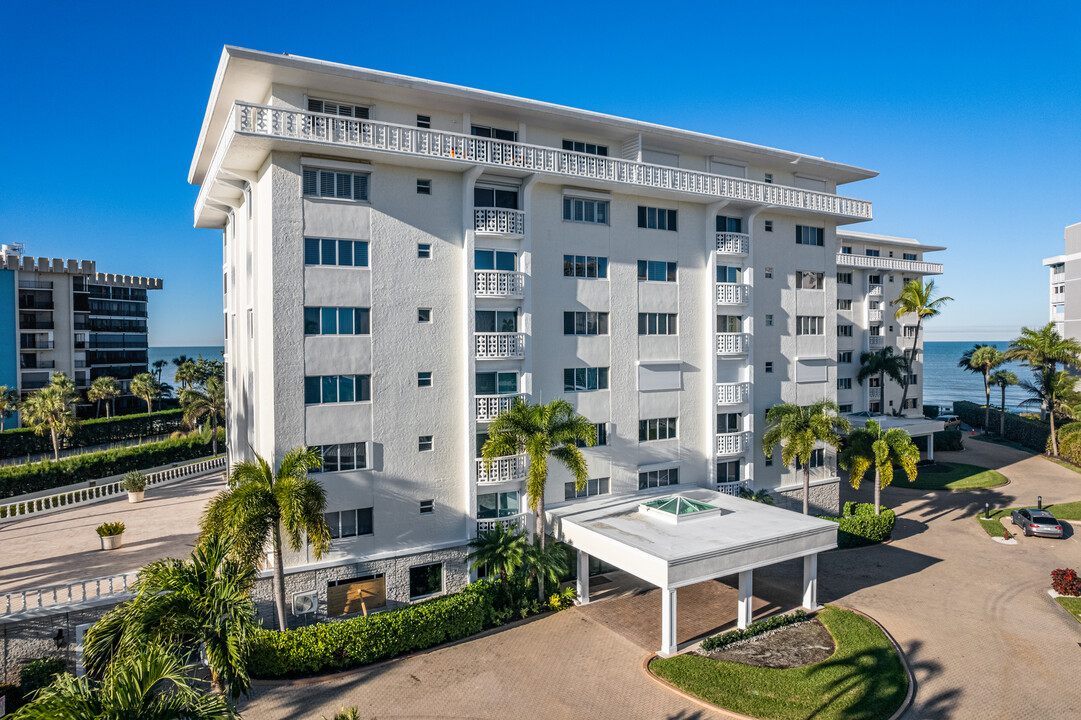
x,y
1036,522
949,422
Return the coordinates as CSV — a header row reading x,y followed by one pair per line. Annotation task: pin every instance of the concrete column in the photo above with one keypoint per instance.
x,y
931,447
668,622
746,594
810,582
583,578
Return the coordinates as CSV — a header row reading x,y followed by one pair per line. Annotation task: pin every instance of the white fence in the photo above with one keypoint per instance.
x,y
81,591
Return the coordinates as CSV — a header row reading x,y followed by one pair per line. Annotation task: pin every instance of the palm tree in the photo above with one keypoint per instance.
x,y
209,402
259,504
187,375
9,400
1057,393
545,565
52,408
1002,378
146,387
149,683
798,429
158,366
1044,349
103,388
915,299
869,447
983,359
178,361
883,363
202,606
499,549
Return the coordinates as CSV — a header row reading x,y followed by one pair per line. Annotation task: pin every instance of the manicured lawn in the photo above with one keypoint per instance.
x,y
864,678
993,527
959,476
1072,604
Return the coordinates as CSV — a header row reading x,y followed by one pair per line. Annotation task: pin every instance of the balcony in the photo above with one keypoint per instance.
x,y
888,263
37,345
37,364
731,488
735,443
733,393
35,285
733,343
874,393
35,324
874,316
498,284
733,294
251,120
876,342
499,221
497,346
729,243
489,406
510,468
514,522
874,291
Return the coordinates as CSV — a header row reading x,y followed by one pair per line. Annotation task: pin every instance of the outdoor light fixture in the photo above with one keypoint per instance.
x,y
59,639
1039,501
987,510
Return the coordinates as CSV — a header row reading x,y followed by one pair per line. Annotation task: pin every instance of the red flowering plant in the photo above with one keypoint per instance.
x,y
1065,581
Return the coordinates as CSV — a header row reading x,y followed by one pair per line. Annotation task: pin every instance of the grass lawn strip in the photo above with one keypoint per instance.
x,y
993,527
1072,605
863,678
1061,511
959,477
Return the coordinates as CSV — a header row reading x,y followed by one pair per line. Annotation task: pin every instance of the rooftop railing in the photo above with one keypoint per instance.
x,y
888,263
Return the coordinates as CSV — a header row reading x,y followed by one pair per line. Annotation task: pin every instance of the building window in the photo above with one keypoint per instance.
x,y
728,471
658,478
846,249
496,383
495,197
809,235
495,260
729,224
585,379
874,279
497,505
601,430
846,408
729,422
343,456
844,383
325,389
1060,289
912,379
808,280
818,458
424,121
585,211
424,251
909,331
657,324
844,304
656,218
729,323
424,379
873,253
911,404
910,256
656,271
425,580
844,357
768,272
585,266
593,486
844,278
494,133
424,443
427,507
769,321
335,184
585,323
729,274
343,253
495,321
424,187
584,147
337,321
656,429
349,523
424,315
810,324
768,225
769,366
331,107
875,330
844,331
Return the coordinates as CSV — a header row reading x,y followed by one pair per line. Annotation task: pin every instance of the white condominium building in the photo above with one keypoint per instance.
x,y
1065,287
402,258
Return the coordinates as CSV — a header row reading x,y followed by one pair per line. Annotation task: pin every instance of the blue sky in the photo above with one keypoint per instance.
x,y
971,119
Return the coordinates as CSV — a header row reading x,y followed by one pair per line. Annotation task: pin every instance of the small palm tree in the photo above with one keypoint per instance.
x,y
883,363
103,388
208,402
146,387
546,565
983,359
178,361
52,409
869,447
187,375
1003,378
916,299
9,401
1044,350
500,550
158,366
259,504
799,429
1056,392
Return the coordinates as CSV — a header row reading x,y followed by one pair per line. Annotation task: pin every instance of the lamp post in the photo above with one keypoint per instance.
x,y
987,510
1039,502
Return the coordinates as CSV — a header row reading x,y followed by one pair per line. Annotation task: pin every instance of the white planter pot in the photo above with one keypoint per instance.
x,y
111,542
135,497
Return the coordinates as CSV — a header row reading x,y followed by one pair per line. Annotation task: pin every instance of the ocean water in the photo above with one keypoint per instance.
x,y
944,382
167,354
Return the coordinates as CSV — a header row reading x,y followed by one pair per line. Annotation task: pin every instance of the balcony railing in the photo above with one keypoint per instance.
x,y
504,469
38,364
38,345
874,393
285,123
733,294
498,283
500,221
731,488
36,325
35,285
733,343
874,316
36,304
876,341
489,406
729,243
874,290
888,263
491,346
80,591
732,443
733,393
513,522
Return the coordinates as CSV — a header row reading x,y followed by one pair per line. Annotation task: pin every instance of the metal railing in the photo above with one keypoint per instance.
x,y
35,285
498,283
888,263
489,346
504,469
80,591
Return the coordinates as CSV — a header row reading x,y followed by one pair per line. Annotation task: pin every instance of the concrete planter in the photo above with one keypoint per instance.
x,y
111,542
135,497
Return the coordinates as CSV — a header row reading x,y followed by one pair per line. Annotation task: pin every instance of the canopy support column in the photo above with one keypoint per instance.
x,y
746,594
583,578
810,582
668,622
931,447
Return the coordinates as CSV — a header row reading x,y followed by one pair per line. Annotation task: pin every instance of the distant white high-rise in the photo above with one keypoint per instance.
x,y
1065,285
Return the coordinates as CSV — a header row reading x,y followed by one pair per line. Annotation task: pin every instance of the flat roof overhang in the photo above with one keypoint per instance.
x,y
746,535
914,426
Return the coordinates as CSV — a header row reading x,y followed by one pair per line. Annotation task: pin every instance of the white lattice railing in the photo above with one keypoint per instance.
x,y
278,122
498,283
733,393
511,523
874,290
732,443
499,220
733,343
68,594
98,493
730,488
499,345
733,294
876,341
489,406
729,243
888,263
504,469
874,393
874,316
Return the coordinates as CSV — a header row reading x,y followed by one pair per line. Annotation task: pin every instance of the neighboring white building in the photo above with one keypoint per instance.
x,y
1065,288
403,257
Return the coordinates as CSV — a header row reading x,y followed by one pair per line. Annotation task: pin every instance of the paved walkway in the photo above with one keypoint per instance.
x,y
62,547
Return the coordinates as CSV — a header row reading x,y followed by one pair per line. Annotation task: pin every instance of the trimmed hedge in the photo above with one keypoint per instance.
x,y
932,411
762,626
49,474
1069,442
1029,432
944,440
22,441
860,526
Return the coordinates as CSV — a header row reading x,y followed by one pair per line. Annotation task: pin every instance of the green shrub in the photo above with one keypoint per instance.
x,y
110,529
762,496
762,626
931,411
21,442
1069,442
1027,431
133,481
860,526
36,674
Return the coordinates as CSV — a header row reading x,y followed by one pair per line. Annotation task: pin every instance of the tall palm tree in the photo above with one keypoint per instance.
x,y
52,409
178,361
259,503
1003,378
187,375
1044,349
158,366
983,359
103,388
9,401
546,565
501,550
916,299
871,447
146,387
208,402
883,363
1056,392
202,606
149,683
798,429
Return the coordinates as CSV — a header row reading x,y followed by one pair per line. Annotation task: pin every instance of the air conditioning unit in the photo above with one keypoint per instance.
x,y
305,603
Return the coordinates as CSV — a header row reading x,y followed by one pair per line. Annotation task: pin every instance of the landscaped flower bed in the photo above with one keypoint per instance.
x,y
1065,581
860,526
